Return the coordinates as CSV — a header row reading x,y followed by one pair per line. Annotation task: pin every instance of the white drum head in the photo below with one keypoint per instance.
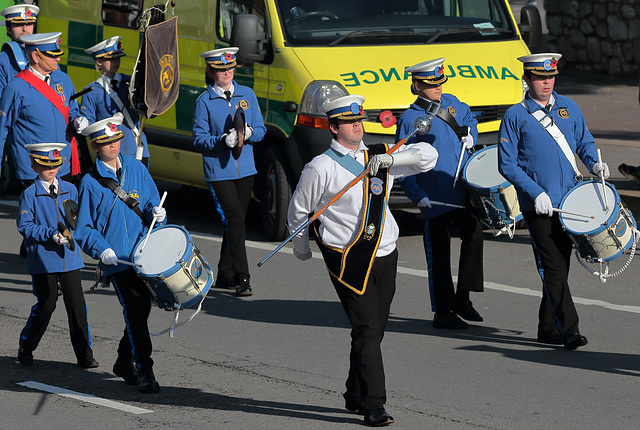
x,y
587,199
481,170
163,250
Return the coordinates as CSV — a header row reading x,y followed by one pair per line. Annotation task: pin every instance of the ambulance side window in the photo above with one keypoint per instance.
x,y
230,8
121,13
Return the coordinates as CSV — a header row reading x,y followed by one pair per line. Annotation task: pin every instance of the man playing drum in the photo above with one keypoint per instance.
x,y
453,132
537,141
117,201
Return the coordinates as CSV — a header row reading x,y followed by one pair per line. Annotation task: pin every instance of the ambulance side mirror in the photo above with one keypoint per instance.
x,y
245,35
531,27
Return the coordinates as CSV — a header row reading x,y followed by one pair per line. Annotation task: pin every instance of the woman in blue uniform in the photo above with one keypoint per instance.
x,y
110,95
452,129
108,230
229,176
537,141
52,256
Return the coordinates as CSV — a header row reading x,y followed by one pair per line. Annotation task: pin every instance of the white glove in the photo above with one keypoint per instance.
x,y
467,141
231,138
604,168
424,203
380,161
80,123
248,131
61,240
301,247
109,257
159,214
543,204
636,235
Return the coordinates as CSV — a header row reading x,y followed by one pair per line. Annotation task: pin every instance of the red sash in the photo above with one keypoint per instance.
x,y
57,102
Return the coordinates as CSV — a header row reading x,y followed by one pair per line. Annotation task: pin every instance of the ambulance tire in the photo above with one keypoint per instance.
x,y
275,195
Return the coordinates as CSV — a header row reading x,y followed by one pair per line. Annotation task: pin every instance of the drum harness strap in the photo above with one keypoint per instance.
x,y
446,116
546,122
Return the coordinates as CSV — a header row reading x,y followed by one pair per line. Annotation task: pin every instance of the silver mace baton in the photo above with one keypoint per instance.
x,y
421,125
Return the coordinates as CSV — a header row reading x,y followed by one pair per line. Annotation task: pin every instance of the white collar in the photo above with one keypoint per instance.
x,y
46,185
110,168
219,91
35,72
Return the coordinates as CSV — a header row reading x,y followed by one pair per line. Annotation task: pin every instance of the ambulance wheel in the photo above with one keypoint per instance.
x,y
275,196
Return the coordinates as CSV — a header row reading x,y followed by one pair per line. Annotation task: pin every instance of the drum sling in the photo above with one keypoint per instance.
x,y
351,266
118,191
446,116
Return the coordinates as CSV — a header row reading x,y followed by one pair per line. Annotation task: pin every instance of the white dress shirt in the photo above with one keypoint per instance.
x,y
323,178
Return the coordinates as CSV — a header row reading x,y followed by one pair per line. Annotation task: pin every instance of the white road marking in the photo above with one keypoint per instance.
x,y
84,397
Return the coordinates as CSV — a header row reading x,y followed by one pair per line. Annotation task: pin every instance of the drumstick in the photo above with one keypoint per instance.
x,y
128,263
604,189
164,196
455,178
446,204
573,213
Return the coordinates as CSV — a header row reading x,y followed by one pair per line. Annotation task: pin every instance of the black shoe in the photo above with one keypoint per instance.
x,y
353,406
551,337
244,289
25,357
125,369
226,284
465,310
88,363
630,172
147,382
377,418
575,340
448,320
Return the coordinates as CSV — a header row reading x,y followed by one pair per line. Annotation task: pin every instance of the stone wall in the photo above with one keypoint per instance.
x,y
596,36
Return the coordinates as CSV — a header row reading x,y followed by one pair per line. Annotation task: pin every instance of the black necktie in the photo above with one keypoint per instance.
x,y
114,85
548,107
227,94
118,172
52,191
47,79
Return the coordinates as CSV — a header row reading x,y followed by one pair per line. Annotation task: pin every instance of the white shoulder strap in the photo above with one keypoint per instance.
x,y
546,122
105,83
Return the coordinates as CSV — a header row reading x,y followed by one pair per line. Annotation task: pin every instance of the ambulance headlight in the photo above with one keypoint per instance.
x,y
317,94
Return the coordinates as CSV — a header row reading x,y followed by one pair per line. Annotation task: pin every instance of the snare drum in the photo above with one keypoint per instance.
x,y
176,273
609,234
492,197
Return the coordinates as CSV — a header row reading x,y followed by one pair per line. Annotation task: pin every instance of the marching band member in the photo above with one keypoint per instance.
x,y
109,225
230,178
357,236
110,95
453,131
537,141
20,20
35,106
52,258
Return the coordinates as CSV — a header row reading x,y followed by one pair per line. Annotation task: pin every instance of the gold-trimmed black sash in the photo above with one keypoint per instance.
x,y
352,265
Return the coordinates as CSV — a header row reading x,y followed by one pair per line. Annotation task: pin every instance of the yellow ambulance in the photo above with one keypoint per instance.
x,y
299,54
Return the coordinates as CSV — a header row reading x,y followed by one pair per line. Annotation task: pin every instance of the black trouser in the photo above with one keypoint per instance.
x,y
232,201
135,299
552,250
45,288
437,244
368,314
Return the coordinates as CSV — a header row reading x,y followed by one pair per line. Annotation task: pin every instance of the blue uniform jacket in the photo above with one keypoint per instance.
x,y
38,217
26,116
213,117
8,65
437,184
531,159
105,221
98,104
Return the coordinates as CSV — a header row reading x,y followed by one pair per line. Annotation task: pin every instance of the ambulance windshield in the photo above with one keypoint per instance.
x,y
369,22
